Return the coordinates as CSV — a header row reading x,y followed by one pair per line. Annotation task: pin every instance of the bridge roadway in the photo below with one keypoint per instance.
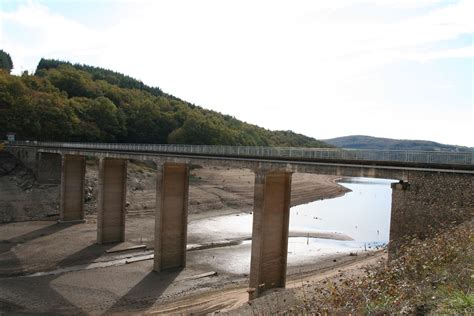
x,y
313,160
430,184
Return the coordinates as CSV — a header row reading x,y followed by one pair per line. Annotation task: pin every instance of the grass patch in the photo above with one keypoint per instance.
x,y
455,302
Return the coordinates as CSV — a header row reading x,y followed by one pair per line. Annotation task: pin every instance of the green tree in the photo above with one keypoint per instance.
x,y
5,61
107,117
75,83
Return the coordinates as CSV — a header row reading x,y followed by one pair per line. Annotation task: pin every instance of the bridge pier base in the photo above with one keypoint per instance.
x,y
171,218
111,200
270,231
73,171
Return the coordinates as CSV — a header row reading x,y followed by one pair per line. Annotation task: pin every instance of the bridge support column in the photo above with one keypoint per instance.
x,y
270,231
73,171
111,200
48,168
429,202
171,219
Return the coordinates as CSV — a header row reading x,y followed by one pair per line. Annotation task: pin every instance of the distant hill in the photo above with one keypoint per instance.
x,y
73,102
369,142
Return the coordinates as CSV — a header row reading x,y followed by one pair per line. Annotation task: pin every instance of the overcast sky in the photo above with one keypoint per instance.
x,y
388,68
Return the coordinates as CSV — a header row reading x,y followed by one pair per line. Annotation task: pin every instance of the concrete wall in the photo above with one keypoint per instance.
x,y
428,202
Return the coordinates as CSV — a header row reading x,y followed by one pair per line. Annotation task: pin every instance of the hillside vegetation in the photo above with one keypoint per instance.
x,y
65,102
369,142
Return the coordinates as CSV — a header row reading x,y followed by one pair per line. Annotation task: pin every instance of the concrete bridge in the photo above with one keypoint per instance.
x,y
433,189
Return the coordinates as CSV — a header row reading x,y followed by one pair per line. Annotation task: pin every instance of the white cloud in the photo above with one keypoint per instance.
x,y
32,32
465,52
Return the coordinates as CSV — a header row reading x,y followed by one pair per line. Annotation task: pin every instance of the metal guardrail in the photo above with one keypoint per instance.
x,y
425,157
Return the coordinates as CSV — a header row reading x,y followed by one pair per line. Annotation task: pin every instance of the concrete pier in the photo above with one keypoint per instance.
x,y
270,231
171,219
111,200
73,171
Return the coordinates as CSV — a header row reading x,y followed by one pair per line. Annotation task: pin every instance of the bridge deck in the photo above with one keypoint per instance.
x,y
344,162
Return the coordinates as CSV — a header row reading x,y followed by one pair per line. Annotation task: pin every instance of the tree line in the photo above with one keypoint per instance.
x,y
72,102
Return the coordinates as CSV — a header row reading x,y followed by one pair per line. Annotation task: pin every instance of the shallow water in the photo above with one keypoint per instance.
x,y
363,214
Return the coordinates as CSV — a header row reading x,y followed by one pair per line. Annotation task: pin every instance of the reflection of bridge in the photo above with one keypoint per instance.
x,y
434,188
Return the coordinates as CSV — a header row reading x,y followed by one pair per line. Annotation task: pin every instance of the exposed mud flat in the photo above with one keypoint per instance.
x,y
77,276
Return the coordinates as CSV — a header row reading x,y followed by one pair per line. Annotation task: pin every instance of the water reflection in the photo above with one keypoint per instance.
x,y
363,214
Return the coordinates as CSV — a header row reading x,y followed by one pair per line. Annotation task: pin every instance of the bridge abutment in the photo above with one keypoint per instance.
x,y
171,218
270,231
429,202
73,172
111,200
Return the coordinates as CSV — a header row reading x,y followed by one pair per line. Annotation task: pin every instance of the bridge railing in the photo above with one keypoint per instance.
x,y
426,157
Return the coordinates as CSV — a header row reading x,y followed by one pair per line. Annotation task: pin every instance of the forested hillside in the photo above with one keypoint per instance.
x,y
65,102
369,142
